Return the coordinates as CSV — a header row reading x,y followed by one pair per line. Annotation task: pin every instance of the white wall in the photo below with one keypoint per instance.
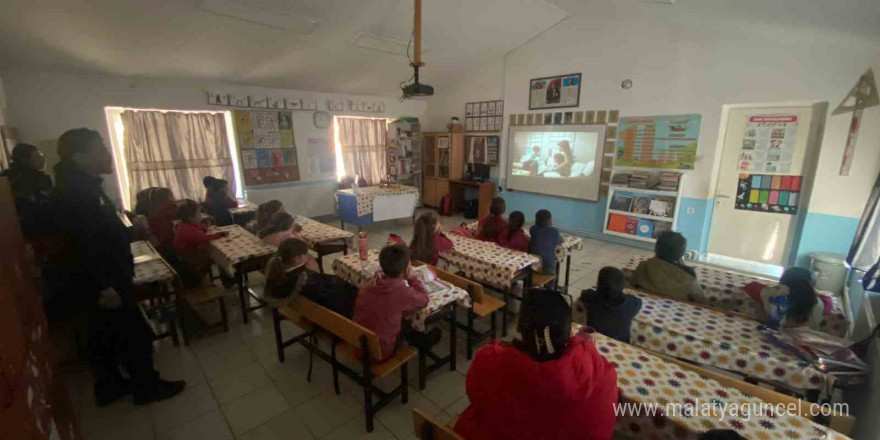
x,y
42,105
685,63
484,82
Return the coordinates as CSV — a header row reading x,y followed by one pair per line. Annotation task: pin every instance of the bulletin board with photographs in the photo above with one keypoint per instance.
x,y
482,150
555,92
484,116
266,144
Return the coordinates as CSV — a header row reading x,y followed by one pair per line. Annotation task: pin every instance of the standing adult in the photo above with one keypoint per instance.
x,y
31,186
93,274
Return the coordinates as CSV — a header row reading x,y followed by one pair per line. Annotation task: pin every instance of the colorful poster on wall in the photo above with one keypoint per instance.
x,y
266,144
768,193
768,143
668,142
553,92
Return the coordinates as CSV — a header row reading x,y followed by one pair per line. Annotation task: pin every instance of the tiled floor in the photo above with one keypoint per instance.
x,y
237,389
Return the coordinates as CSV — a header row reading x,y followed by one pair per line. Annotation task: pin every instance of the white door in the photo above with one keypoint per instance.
x,y
763,185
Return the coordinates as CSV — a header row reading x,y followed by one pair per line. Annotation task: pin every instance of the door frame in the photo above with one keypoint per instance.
x,y
814,134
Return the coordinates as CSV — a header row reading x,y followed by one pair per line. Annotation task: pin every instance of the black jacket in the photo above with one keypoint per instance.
x,y
96,248
31,190
611,318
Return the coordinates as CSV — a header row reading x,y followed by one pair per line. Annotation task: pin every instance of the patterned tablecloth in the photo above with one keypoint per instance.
x,y
646,380
316,232
366,195
486,262
711,337
351,269
239,246
569,242
724,290
244,207
149,266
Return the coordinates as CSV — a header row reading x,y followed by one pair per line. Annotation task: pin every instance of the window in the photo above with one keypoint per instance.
x,y
171,149
360,148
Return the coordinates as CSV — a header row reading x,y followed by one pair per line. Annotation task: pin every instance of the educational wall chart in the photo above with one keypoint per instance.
x,y
768,143
768,193
658,142
266,143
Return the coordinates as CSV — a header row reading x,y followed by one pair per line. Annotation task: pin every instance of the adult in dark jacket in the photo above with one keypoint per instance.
x,y
31,186
92,274
609,310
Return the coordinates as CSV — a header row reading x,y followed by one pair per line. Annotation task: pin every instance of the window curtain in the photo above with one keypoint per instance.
x,y
176,150
362,142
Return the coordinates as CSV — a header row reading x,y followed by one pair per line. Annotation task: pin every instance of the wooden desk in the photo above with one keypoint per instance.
x,y
486,191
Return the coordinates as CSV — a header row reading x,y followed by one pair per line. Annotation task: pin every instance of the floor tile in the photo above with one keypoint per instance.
x,y
239,382
356,429
397,417
445,387
218,362
191,403
179,363
254,409
297,390
283,427
94,418
210,426
136,424
328,411
458,406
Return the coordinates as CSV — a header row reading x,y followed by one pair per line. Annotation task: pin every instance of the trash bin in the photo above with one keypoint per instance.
x,y
830,270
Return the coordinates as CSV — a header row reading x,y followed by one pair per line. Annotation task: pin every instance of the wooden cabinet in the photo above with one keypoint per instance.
x,y
443,159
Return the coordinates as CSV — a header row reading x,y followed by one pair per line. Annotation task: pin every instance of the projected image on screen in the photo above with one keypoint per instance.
x,y
563,161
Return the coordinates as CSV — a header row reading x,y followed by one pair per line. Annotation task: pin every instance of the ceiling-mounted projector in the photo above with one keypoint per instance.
x,y
417,89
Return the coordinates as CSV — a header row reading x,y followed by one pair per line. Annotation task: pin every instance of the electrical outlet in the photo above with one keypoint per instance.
x,y
691,210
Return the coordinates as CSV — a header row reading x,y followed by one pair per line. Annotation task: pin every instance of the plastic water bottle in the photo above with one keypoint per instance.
x,y
355,188
779,306
362,246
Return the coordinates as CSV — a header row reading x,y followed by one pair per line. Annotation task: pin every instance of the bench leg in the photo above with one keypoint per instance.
x,y
404,383
311,358
504,311
335,369
242,296
368,393
223,315
321,263
422,372
493,326
470,335
567,271
182,323
453,343
279,344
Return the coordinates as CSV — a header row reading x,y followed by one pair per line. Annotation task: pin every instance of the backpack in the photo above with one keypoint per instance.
x,y
445,205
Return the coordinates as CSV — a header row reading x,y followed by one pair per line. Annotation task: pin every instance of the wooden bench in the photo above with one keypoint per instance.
x,y
203,295
482,305
351,340
427,428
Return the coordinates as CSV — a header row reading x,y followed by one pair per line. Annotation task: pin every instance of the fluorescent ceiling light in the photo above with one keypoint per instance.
x,y
383,44
267,17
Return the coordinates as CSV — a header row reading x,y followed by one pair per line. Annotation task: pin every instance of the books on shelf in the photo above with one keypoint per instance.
x,y
621,202
643,180
669,181
620,179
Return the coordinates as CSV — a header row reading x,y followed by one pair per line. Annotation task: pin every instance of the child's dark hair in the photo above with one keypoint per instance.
x,y
281,221
721,434
802,297
496,209
213,184
670,246
287,251
22,153
265,212
610,283
514,222
394,260
543,217
545,324
422,244
187,210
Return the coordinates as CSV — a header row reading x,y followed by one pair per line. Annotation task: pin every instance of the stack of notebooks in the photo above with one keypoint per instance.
x,y
620,179
669,181
642,180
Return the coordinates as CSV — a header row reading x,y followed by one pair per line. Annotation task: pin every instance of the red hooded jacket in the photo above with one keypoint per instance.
x,y
514,397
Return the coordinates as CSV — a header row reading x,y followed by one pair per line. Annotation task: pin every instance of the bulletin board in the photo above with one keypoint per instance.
x,y
266,145
668,142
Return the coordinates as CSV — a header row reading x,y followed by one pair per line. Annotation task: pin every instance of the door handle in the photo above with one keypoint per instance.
x,y
721,196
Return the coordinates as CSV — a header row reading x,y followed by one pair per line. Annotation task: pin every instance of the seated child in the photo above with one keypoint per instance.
x,y
393,292
805,306
609,310
666,274
514,237
545,238
189,242
217,201
546,385
288,275
428,240
462,230
279,228
491,226
163,212
265,212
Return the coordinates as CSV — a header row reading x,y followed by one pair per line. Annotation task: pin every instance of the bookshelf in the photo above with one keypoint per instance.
x,y
642,203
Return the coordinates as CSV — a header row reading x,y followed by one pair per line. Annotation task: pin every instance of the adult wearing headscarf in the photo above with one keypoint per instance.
x,y
31,186
548,385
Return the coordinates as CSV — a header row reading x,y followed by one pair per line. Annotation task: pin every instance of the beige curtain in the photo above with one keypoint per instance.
x,y
176,150
363,148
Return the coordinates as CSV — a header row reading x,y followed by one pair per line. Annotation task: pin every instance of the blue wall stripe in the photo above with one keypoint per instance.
x,y
825,233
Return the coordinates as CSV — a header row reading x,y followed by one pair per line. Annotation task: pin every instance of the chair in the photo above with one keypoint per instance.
x,y
428,429
352,341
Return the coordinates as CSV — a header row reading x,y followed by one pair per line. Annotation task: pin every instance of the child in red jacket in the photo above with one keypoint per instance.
x,y
192,234
514,237
491,226
383,301
549,385
428,239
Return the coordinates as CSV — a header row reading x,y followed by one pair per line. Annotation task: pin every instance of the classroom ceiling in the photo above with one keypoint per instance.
x,y
178,39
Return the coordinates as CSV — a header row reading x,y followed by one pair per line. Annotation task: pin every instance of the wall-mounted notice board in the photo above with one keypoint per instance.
x,y
265,142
